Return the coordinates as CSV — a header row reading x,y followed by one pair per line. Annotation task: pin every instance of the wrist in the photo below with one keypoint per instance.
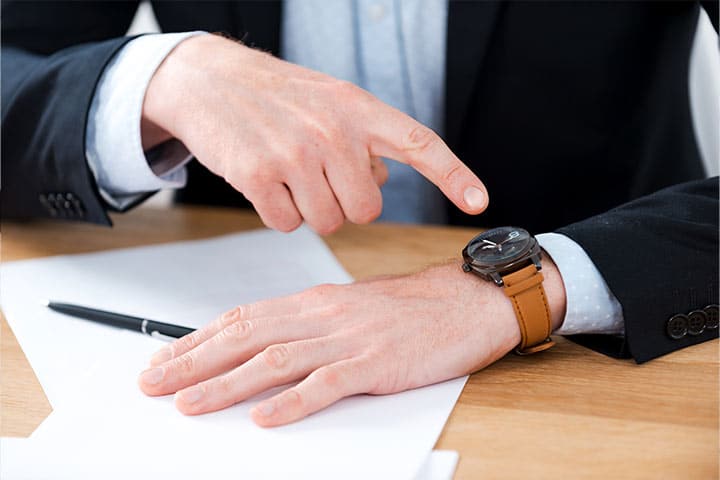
x,y
188,80
158,107
163,105
535,301
492,324
554,291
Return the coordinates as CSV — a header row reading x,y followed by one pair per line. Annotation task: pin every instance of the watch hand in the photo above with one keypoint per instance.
x,y
490,244
510,236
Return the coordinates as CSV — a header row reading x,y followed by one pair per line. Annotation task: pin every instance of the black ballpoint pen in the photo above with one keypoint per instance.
x,y
142,325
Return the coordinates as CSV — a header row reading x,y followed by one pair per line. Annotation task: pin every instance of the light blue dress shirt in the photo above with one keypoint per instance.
x,y
395,49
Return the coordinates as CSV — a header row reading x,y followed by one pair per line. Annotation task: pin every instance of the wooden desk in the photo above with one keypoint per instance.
x,y
569,413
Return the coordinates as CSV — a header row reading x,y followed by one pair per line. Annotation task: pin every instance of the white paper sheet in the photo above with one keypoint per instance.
x,y
103,426
440,465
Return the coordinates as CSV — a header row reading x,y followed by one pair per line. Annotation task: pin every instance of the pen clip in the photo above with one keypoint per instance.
x,y
160,336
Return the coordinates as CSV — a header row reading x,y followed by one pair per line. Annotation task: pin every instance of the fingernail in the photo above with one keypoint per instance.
x,y
474,198
152,376
161,356
191,395
266,409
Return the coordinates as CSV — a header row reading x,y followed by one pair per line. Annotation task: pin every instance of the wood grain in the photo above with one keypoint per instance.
x,y
569,413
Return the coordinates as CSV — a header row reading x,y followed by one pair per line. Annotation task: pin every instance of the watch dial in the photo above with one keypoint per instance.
x,y
499,245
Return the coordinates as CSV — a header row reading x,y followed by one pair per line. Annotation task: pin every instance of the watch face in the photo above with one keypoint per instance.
x,y
499,246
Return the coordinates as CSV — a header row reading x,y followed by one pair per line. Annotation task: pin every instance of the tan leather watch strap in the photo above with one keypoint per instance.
x,y
525,290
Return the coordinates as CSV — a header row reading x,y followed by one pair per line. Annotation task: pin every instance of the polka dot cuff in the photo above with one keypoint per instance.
x,y
591,306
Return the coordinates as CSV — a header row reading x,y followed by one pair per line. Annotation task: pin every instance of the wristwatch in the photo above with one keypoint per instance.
x,y
510,258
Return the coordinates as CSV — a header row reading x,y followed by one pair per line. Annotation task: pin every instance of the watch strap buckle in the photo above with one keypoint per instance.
x,y
544,345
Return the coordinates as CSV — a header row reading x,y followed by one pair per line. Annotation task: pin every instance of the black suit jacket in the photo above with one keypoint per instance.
x,y
574,114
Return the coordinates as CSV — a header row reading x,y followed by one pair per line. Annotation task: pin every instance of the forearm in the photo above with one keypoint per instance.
x,y
659,256
49,76
45,101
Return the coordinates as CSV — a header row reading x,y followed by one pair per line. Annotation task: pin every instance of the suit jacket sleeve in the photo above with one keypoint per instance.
x,y
53,54
659,256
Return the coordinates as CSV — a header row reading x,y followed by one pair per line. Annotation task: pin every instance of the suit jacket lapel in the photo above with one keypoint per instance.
x,y
470,29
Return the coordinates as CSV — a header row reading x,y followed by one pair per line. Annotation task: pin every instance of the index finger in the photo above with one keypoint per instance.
x,y
276,306
400,137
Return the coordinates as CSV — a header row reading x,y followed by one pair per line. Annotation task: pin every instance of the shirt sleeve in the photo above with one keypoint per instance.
x,y
591,306
113,143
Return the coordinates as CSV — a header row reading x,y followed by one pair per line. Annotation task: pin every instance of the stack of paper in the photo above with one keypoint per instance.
x,y
102,426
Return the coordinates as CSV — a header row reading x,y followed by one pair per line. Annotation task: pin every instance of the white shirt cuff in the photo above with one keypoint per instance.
x,y
591,306
113,142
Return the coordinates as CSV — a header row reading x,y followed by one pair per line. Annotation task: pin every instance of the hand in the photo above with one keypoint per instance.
x,y
297,143
378,336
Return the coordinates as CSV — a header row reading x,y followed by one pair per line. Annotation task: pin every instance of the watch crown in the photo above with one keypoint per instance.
x,y
466,268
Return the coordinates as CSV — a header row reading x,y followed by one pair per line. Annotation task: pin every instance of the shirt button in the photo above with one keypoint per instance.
x,y
711,316
376,12
696,322
677,326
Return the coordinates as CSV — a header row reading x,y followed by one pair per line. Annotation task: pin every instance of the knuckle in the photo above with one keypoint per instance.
x,y
185,364
420,139
239,330
286,227
335,310
322,229
329,377
320,296
451,173
277,357
368,212
299,152
231,316
346,90
317,134
318,299
321,291
186,343
224,384
287,222
293,398
282,218
356,100
332,132
254,176
330,225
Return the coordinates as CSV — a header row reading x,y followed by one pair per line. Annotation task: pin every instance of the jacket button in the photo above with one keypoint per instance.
x,y
677,326
711,316
696,322
48,201
77,205
48,206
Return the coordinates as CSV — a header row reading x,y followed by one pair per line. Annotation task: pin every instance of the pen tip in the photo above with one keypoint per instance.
x,y
46,303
